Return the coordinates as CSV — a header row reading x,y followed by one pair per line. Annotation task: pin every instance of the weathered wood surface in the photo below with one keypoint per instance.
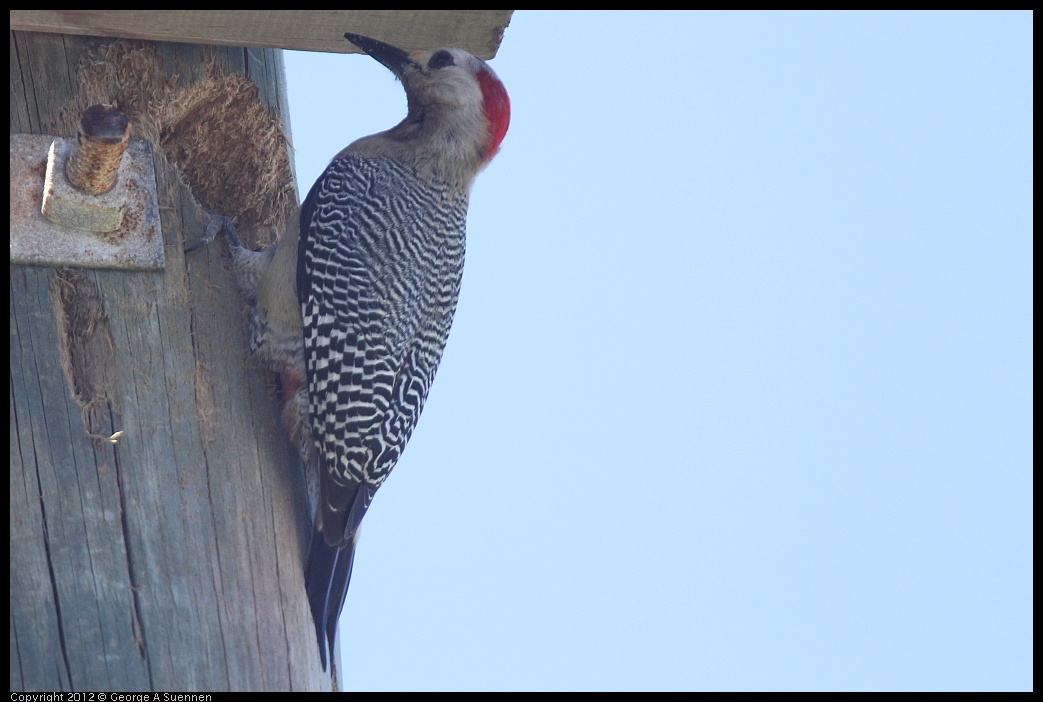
x,y
478,31
172,560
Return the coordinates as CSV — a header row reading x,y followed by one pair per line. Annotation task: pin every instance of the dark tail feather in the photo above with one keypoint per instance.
x,y
339,590
326,578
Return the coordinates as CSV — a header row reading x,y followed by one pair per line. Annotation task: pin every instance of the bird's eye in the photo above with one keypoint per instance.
x,y
440,59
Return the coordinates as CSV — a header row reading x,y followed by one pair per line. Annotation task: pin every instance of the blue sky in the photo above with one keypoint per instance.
x,y
739,391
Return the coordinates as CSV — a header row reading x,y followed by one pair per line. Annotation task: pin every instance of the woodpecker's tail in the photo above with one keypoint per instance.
x,y
326,578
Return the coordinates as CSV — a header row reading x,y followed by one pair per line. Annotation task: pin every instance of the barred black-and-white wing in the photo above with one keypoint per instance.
x,y
380,260
379,263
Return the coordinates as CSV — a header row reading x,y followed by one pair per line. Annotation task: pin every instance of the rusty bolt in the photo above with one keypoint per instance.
x,y
100,141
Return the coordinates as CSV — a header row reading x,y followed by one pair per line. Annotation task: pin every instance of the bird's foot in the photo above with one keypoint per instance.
x,y
218,224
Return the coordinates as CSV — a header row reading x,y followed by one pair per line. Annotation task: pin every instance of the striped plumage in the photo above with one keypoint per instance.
x,y
353,306
379,266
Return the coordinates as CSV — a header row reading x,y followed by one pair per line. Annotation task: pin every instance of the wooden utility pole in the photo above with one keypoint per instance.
x,y
173,558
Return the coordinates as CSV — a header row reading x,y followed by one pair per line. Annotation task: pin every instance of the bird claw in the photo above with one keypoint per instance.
x,y
218,224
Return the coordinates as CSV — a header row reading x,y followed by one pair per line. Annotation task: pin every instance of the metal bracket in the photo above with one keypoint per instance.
x,y
129,210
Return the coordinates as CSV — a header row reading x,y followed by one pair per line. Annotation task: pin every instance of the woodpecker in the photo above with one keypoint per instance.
x,y
353,306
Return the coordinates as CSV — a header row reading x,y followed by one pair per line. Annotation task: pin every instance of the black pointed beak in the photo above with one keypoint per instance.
x,y
392,57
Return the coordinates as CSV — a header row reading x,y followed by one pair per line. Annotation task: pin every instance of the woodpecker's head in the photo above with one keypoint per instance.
x,y
458,111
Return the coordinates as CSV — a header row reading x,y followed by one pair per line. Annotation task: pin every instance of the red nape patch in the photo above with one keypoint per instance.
x,y
497,108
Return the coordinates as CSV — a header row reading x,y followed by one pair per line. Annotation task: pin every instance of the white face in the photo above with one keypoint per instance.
x,y
446,77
